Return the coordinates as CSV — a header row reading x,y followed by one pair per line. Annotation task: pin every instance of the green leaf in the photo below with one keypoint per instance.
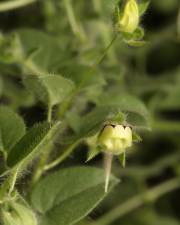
x,y
135,43
93,152
68,195
50,50
112,109
82,75
136,137
32,143
50,89
12,128
18,97
124,103
94,120
143,6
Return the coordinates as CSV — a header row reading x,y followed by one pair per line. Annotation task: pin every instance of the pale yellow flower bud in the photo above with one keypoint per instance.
x,y
115,139
130,17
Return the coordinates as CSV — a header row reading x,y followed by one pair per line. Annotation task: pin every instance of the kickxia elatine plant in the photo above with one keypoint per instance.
x,y
74,87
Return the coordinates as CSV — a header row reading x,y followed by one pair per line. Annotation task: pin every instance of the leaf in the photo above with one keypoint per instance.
x,y
124,103
32,143
137,35
94,120
82,75
136,43
93,152
19,97
12,128
143,6
50,89
50,50
68,195
112,109
136,137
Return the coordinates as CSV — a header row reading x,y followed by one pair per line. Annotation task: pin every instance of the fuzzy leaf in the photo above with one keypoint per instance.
x,y
50,89
126,103
135,43
93,152
32,143
12,128
68,195
143,6
136,137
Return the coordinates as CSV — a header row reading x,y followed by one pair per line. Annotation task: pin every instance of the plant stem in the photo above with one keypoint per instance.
x,y
99,61
49,113
12,179
76,28
41,164
139,200
9,5
62,157
107,169
45,155
32,67
65,105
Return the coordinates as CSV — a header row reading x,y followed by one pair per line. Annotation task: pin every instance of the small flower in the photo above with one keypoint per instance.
x,y
129,20
115,139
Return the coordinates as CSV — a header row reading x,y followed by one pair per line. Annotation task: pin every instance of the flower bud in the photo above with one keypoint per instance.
x,y
115,138
129,20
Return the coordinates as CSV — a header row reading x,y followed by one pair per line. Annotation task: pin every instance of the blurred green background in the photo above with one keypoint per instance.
x,y
67,37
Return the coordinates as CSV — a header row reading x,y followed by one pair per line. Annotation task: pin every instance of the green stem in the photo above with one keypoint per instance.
x,y
9,5
65,105
12,179
32,67
62,157
45,155
77,30
41,165
138,201
99,61
49,113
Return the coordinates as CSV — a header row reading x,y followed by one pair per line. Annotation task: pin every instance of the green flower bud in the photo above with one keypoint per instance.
x,y
18,214
115,139
10,218
129,20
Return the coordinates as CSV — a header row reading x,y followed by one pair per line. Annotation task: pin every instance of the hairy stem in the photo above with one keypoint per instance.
x,y
66,104
14,4
99,61
49,113
76,28
62,157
